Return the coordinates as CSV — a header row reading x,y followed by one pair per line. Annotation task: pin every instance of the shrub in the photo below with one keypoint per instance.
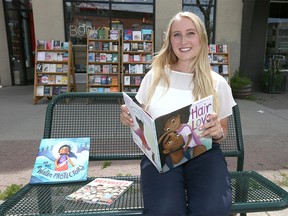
x,y
239,81
10,191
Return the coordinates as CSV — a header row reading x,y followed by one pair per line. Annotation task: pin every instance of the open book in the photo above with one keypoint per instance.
x,y
101,191
171,139
61,160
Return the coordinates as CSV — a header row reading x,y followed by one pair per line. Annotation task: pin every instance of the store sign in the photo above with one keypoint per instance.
x,y
79,31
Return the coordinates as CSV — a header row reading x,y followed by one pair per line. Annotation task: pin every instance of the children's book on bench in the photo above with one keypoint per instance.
x,y
61,160
171,139
101,191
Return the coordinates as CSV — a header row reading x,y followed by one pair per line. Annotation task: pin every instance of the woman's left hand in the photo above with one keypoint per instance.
x,y
214,127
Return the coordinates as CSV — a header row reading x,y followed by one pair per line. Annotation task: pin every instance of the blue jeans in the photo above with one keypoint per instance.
x,y
200,186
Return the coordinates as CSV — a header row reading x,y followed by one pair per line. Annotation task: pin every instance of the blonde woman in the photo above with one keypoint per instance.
x,y
180,74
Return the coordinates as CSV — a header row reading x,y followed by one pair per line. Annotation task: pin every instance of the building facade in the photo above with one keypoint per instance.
x,y
241,24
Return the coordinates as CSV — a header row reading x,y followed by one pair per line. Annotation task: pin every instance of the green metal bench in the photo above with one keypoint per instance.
x,y
96,115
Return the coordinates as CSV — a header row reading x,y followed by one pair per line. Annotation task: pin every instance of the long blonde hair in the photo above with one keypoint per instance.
x,y
203,82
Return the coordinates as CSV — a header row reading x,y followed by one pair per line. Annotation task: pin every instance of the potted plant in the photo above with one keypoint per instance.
x,y
241,85
273,80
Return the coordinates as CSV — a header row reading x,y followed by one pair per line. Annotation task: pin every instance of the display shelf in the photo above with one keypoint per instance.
x,y
103,61
54,71
220,60
137,53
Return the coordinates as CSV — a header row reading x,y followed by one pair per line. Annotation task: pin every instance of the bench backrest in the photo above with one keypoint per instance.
x,y
97,115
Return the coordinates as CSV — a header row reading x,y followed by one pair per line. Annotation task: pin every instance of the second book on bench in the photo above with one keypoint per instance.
x,y
171,139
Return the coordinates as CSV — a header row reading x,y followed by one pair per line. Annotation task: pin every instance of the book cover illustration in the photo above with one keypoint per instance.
x,y
64,45
212,48
101,191
136,35
114,34
40,44
61,160
40,56
128,34
147,34
48,45
56,44
171,139
93,34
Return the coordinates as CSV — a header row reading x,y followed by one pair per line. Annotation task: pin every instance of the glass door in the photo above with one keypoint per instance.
x,y
18,17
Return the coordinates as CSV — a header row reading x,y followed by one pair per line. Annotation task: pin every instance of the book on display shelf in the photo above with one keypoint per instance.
x,y
51,79
40,44
146,34
93,34
126,46
136,35
109,57
173,138
48,44
114,57
57,44
59,68
41,56
114,34
40,90
64,45
128,34
39,67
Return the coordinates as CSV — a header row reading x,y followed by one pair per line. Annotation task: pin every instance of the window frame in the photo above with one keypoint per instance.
x,y
193,3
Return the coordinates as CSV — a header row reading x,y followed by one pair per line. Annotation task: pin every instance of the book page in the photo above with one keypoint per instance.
x,y
143,132
172,139
178,133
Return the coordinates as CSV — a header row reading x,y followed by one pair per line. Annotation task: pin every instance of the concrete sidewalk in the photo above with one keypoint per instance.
x,y
264,125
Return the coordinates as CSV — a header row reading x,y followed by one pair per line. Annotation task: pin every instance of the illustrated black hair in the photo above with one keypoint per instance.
x,y
139,122
184,118
71,154
63,147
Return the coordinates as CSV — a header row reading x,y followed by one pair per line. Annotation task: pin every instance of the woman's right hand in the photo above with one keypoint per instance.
x,y
125,117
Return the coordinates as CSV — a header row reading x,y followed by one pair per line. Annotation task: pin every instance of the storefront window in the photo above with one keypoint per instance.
x,y
135,1
205,9
114,14
20,28
277,36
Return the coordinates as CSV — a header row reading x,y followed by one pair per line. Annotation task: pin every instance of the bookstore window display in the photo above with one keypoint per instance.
x,y
113,14
54,73
103,65
137,54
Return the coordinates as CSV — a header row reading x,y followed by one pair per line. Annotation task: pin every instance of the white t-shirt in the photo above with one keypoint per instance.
x,y
179,94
